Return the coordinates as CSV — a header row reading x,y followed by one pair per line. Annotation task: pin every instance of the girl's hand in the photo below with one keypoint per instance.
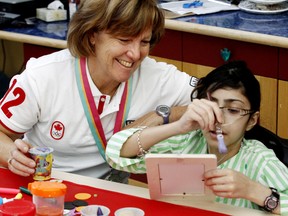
x,y
232,184
20,162
200,114
228,183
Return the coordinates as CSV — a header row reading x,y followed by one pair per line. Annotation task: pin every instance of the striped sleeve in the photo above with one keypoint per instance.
x,y
177,144
114,145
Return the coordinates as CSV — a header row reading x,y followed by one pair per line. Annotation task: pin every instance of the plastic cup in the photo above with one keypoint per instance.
x,y
129,211
43,158
48,197
92,210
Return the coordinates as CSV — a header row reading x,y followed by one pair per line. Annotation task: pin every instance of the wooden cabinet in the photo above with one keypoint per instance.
x,y
170,46
11,57
282,129
170,49
207,50
31,50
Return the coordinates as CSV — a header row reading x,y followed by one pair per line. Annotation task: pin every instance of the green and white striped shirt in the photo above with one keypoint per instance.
x,y
254,160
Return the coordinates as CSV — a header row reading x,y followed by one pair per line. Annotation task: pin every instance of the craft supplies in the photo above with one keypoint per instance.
x,y
193,4
221,144
18,207
25,190
48,197
220,138
9,190
92,210
43,158
129,211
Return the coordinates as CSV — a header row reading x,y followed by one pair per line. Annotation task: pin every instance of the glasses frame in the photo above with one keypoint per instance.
x,y
244,111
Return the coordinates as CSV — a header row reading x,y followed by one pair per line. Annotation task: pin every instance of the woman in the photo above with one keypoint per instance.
x,y
69,100
227,104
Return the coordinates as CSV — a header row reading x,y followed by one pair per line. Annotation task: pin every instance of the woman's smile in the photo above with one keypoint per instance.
x,y
125,63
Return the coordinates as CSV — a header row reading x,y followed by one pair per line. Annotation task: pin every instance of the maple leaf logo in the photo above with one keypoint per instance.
x,y
58,127
57,130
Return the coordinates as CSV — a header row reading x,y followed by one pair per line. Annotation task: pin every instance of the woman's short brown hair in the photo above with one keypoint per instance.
x,y
118,17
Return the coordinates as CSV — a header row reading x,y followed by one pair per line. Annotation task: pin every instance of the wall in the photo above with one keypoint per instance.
x,y
11,57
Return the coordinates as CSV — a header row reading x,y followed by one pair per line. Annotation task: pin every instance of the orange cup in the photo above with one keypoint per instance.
x,y
48,197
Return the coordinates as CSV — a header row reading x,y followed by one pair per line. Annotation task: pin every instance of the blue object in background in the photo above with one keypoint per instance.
x,y
193,4
225,54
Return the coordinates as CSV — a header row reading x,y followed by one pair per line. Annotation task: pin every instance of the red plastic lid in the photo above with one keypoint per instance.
x,y
18,207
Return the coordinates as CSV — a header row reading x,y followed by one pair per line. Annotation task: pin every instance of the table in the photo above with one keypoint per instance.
x,y
144,193
263,29
117,195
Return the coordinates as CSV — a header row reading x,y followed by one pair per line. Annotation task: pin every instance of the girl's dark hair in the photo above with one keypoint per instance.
x,y
234,75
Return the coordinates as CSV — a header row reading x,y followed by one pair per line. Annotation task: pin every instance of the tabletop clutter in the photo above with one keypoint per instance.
x,y
53,12
264,6
198,7
177,9
48,195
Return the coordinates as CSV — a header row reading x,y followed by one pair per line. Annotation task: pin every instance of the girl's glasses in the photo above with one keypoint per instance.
x,y
231,114
234,111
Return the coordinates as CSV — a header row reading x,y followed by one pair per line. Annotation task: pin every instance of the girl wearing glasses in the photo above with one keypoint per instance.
x,y
225,104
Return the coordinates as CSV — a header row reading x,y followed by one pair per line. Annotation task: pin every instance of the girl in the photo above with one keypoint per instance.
x,y
227,104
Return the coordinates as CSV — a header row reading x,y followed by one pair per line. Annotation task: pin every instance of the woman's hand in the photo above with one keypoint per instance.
x,y
20,162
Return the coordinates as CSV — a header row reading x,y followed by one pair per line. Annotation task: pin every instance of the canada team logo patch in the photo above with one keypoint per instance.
x,y
57,130
194,81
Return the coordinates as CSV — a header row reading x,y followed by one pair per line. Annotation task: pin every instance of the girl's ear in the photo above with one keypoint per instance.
x,y
253,121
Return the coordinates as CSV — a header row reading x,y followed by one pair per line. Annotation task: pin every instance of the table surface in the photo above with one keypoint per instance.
x,y
144,193
271,24
268,29
117,195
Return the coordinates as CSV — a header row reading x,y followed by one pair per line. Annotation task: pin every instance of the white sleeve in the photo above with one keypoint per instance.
x,y
174,86
19,107
159,83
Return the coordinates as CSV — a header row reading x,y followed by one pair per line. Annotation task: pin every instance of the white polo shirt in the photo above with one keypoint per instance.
x,y
44,103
